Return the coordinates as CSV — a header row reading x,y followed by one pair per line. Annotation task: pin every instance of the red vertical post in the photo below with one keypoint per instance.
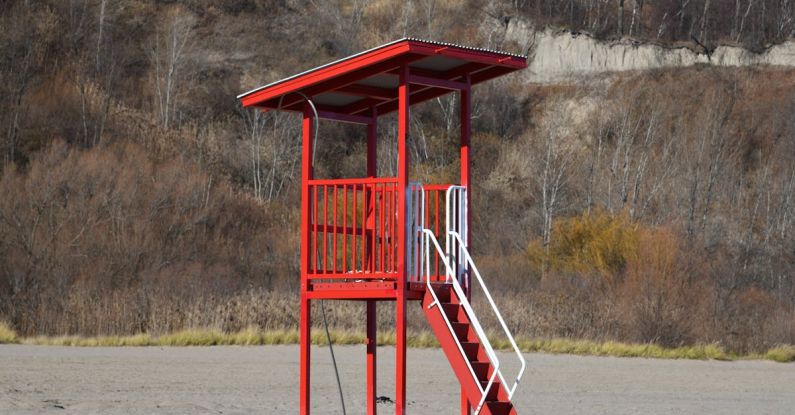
x,y
465,113
372,144
403,233
306,339
372,134
466,131
306,305
371,356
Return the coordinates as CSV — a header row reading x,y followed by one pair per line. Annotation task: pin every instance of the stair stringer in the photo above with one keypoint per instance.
x,y
460,363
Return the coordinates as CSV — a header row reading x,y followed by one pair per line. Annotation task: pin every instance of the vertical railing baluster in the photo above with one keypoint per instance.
x,y
427,206
334,235
314,231
438,229
353,231
325,229
382,236
373,233
364,227
344,228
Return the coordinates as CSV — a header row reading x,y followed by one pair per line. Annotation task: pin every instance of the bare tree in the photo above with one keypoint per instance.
x,y
739,26
346,21
100,30
705,22
168,58
785,19
554,163
637,10
254,122
273,149
22,55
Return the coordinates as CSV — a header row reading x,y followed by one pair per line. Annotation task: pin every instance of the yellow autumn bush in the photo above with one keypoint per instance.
x,y
595,243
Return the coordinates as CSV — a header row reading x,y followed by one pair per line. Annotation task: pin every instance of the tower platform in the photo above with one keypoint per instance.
x,y
364,290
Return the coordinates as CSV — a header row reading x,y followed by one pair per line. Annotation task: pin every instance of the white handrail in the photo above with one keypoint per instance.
x,y
430,237
516,349
456,273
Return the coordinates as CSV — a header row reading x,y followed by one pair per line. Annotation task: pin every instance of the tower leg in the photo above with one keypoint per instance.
x,y
306,340
466,117
465,408
400,353
371,350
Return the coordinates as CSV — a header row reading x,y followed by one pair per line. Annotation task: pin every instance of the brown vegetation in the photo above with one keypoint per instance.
x,y
649,207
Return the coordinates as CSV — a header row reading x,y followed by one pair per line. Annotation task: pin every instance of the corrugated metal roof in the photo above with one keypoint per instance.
x,y
410,39
433,42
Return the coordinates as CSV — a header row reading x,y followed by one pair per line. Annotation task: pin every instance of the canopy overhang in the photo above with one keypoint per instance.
x,y
367,83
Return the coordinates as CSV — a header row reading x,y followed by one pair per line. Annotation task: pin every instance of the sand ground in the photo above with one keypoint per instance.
x,y
264,380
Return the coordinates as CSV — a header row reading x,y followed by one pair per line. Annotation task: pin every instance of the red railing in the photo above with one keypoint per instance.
x,y
353,227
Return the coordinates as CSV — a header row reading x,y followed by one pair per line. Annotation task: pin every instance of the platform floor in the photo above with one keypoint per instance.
x,y
363,290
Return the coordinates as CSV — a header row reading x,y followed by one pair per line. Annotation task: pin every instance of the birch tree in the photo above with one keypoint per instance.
x,y
167,57
273,151
553,164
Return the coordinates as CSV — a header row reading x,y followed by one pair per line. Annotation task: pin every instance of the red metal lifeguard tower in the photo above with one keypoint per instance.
x,y
376,238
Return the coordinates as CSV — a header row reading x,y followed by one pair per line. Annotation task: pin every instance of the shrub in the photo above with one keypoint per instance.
x,y
781,354
7,334
596,243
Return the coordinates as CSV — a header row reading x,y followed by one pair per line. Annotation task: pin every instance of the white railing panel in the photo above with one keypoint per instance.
x,y
415,224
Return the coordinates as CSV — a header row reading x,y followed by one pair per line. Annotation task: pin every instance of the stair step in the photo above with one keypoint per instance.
x,y
442,292
493,392
481,369
471,350
498,407
461,330
453,311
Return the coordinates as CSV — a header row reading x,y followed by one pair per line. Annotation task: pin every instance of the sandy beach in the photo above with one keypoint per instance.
x,y
263,380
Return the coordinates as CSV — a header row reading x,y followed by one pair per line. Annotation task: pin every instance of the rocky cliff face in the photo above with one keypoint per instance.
x,y
557,55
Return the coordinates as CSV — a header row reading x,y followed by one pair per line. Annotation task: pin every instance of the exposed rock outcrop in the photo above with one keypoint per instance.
x,y
559,55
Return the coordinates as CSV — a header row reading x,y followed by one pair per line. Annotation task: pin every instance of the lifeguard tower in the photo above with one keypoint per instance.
x,y
378,238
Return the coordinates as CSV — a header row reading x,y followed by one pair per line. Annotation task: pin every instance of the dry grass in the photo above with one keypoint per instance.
x,y
7,334
782,354
616,349
253,336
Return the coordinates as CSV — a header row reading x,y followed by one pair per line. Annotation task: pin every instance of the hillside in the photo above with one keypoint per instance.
x,y
625,189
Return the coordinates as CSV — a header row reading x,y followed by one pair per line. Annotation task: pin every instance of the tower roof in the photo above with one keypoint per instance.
x,y
369,79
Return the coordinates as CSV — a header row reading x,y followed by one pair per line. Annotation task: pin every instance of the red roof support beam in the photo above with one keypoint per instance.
x,y
457,72
491,73
425,92
416,97
368,91
437,82
362,106
351,119
465,69
431,93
